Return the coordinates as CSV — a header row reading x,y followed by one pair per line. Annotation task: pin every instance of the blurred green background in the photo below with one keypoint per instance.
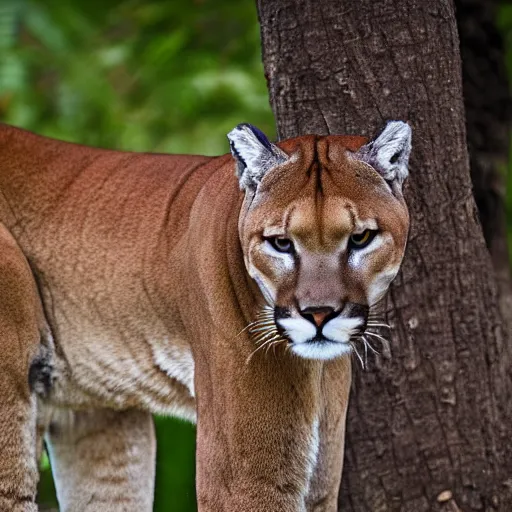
x,y
164,76
149,75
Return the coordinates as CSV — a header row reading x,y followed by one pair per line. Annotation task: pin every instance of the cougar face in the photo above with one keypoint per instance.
x,y
323,233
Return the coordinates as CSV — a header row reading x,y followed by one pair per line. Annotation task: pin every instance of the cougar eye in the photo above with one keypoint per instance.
x,y
281,244
361,240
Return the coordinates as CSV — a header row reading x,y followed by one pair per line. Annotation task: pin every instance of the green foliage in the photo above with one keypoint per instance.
x,y
133,74
166,76
175,476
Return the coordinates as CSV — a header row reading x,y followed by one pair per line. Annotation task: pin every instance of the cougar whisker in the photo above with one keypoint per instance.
x,y
263,336
248,360
267,343
262,327
259,347
384,342
354,349
378,324
371,347
273,343
378,336
248,326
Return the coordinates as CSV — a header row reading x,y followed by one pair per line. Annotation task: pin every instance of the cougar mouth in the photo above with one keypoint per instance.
x,y
332,337
336,336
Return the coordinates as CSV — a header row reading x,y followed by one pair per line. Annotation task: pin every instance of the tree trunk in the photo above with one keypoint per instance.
x,y
430,428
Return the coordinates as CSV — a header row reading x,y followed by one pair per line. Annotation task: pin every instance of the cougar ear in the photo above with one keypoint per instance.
x,y
389,153
254,154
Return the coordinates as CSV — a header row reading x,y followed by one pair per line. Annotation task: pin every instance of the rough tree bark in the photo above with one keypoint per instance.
x,y
430,428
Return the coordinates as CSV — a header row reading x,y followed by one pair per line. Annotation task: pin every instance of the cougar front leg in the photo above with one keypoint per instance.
x,y
103,460
19,340
258,429
325,484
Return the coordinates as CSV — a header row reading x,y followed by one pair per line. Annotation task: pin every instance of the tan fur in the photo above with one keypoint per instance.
x,y
139,266
20,324
103,459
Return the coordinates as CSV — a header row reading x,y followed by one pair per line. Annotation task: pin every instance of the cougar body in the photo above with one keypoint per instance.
x,y
134,284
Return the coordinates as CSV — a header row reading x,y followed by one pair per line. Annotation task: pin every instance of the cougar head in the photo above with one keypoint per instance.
x,y
323,229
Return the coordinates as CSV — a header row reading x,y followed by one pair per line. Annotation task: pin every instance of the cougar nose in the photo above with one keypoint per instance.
x,y
317,314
